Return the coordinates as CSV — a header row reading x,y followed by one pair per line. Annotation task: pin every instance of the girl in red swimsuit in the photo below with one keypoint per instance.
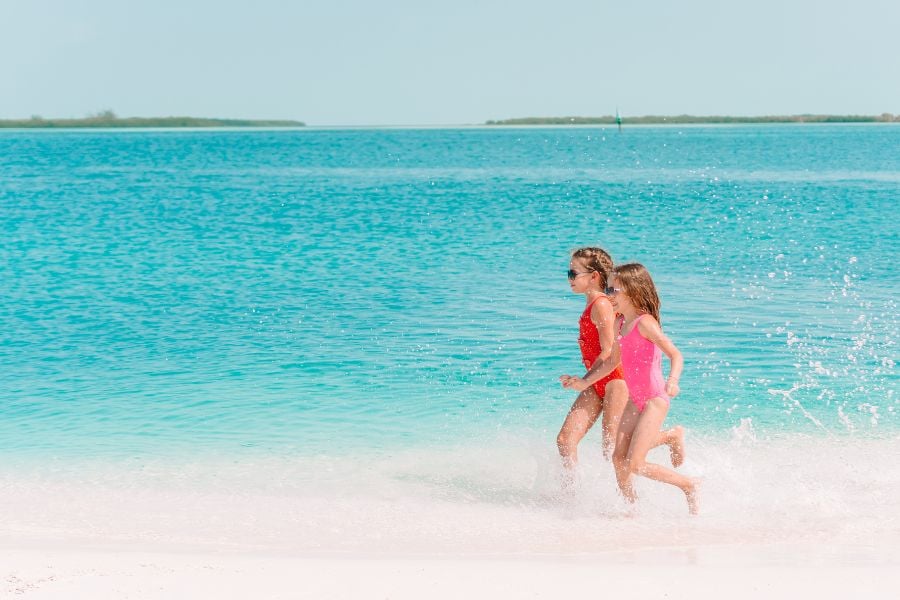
x,y
589,270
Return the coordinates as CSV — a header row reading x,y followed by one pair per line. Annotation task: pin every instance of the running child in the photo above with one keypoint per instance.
x,y
640,346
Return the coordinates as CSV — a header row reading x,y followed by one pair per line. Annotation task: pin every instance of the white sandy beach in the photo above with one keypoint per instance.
x,y
729,572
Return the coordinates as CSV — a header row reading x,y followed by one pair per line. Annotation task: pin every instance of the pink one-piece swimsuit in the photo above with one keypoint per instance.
x,y
642,367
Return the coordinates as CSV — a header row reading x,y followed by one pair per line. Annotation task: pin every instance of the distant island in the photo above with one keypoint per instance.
x,y
108,118
691,119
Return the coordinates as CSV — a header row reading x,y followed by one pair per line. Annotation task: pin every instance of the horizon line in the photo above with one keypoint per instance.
x,y
108,119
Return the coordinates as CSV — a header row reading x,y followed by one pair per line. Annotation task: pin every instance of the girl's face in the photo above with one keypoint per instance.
x,y
581,277
618,298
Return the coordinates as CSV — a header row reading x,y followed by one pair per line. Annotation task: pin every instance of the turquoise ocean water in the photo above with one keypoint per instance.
x,y
308,292
348,341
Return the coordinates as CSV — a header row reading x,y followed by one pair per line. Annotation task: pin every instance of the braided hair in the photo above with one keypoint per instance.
x,y
597,260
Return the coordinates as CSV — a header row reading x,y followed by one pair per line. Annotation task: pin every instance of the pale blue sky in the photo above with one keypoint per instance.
x,y
394,62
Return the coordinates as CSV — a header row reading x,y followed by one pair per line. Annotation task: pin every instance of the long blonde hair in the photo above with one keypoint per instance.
x,y
636,283
598,260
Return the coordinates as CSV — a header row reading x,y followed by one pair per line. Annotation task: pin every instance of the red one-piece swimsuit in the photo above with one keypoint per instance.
x,y
589,340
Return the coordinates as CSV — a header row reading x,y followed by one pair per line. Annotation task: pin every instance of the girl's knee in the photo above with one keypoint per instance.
x,y
565,443
636,465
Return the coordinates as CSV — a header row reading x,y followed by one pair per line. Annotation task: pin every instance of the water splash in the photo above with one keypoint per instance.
x,y
790,400
744,432
841,352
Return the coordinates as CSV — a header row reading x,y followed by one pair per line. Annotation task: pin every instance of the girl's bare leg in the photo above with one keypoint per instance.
x,y
645,435
624,436
613,407
675,439
581,418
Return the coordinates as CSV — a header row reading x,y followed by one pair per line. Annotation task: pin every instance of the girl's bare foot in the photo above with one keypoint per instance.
x,y
676,445
692,493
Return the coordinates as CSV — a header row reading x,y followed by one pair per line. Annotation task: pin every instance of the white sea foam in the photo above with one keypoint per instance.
x,y
496,496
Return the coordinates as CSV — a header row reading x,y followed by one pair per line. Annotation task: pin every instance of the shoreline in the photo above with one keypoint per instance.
x,y
451,502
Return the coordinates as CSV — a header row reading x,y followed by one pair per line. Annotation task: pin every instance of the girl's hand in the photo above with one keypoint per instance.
x,y
575,383
672,388
564,380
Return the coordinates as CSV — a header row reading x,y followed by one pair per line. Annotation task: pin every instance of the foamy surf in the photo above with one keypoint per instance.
x,y
500,496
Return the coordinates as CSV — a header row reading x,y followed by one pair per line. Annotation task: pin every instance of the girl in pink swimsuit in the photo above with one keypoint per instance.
x,y
640,347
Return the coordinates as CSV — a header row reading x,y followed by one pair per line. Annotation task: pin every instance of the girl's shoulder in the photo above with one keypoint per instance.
x,y
601,300
602,308
646,324
642,323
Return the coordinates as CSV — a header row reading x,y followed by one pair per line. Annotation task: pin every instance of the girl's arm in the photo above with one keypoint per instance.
x,y
651,330
604,318
599,370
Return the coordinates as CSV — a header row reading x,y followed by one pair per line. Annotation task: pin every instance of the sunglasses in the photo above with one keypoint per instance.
x,y
612,290
572,273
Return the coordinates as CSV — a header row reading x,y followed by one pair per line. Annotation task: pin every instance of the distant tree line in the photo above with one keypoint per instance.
x,y
686,119
108,118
